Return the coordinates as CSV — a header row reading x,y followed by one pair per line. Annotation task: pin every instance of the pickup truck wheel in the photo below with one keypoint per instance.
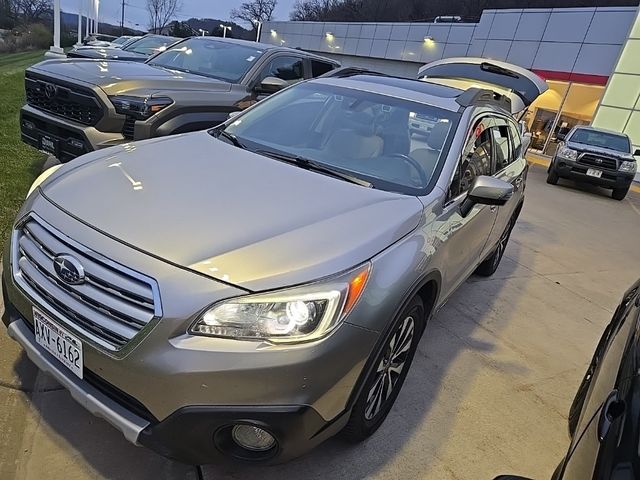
x,y
619,193
490,265
552,176
382,386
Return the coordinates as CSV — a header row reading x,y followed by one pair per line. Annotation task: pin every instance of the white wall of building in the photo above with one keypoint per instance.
x,y
620,106
566,40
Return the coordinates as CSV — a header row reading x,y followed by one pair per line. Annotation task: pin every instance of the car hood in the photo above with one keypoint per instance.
x,y
583,147
117,77
109,53
228,213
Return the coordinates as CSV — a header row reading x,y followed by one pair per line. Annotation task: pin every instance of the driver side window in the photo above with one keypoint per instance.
x,y
475,160
290,69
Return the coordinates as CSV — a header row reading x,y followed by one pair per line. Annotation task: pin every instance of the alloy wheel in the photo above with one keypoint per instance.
x,y
390,367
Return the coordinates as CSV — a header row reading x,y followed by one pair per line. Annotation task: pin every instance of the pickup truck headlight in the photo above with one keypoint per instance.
x,y
628,167
568,153
42,177
139,107
294,315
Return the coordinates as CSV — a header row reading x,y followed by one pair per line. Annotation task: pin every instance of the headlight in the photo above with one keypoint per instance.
x,y
568,153
298,314
42,177
139,107
629,167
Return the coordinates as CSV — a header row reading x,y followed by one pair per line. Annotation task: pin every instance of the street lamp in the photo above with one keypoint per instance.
x,y
258,25
202,31
224,30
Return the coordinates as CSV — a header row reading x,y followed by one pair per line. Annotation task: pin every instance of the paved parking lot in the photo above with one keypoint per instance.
x,y
487,394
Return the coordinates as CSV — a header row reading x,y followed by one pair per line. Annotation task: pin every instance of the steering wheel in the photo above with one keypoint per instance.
x,y
413,163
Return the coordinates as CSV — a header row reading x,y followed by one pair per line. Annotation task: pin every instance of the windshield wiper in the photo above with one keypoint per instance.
x,y
231,137
309,164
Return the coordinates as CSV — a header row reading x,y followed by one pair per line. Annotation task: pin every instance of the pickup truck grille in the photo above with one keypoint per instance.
x,y
110,307
70,102
598,161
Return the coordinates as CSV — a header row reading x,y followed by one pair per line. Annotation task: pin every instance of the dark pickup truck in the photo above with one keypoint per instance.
x,y
596,156
77,106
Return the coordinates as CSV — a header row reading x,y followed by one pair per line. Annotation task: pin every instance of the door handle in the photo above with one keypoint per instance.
x,y
493,208
612,409
517,182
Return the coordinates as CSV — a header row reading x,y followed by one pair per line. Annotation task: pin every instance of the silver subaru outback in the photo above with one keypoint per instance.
x,y
249,291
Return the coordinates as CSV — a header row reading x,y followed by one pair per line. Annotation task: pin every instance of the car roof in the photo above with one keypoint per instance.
x,y
419,91
263,46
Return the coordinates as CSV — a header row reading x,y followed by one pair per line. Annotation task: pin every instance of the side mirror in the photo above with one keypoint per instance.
x,y
233,114
636,153
272,85
560,137
486,191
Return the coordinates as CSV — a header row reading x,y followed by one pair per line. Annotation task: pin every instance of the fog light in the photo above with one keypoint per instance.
x,y
252,438
28,125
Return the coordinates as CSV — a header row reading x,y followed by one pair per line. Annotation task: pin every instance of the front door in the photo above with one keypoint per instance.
x,y
466,236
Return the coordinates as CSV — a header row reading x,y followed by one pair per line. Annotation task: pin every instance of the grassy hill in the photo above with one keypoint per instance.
x,y
19,163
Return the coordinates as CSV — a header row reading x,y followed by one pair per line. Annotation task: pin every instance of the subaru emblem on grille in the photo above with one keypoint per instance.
x,y
50,90
69,269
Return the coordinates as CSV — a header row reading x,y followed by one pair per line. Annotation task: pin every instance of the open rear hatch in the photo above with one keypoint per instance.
x,y
522,86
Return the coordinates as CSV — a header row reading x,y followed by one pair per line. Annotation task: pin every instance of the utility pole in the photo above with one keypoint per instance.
x,y
122,20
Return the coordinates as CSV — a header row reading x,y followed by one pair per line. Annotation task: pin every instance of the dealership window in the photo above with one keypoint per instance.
x,y
562,107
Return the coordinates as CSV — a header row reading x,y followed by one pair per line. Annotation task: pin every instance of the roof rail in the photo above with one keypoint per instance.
x,y
344,72
479,96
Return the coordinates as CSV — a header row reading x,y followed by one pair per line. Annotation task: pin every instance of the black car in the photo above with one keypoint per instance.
x,y
77,106
604,419
138,51
596,156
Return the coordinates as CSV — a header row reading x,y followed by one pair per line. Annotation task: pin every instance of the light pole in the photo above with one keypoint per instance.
x,y
80,2
224,30
202,31
258,25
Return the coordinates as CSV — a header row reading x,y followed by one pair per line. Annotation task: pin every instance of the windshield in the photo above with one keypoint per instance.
x,y
121,40
150,45
212,58
619,143
364,134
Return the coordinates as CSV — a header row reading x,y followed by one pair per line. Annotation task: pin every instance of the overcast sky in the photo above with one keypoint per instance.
x,y
135,11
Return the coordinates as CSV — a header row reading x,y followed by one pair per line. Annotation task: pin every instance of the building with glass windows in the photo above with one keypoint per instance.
x,y
590,58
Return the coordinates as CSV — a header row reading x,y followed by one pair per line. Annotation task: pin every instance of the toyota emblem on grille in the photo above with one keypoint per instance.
x,y
69,269
599,161
50,90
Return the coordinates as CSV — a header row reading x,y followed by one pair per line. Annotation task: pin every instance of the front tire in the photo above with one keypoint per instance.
x,y
385,380
552,176
620,193
491,264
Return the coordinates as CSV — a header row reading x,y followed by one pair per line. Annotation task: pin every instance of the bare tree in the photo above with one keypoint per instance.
x,y
161,12
31,11
255,11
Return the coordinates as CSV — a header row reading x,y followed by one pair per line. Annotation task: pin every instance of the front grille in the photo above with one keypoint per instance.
x,y
110,307
598,161
72,103
128,128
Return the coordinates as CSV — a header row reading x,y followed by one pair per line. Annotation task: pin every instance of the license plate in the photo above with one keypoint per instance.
x,y
49,145
58,342
592,172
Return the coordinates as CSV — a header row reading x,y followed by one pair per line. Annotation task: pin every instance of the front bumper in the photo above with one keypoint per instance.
x,y
577,171
193,434
72,139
